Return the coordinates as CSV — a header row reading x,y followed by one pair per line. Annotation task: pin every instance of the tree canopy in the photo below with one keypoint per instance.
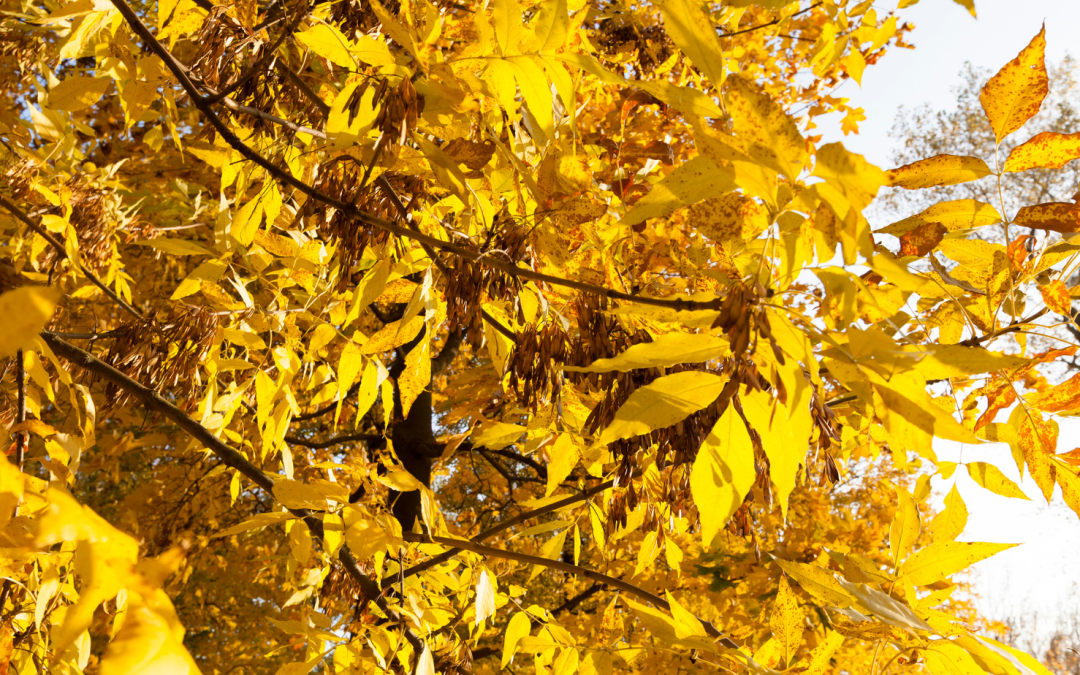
x,y
460,337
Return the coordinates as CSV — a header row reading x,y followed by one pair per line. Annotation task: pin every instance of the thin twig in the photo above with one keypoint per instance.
x,y
501,527
569,568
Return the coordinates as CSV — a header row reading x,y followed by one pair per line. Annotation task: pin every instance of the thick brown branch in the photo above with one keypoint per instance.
x,y
350,438
153,401
569,568
62,252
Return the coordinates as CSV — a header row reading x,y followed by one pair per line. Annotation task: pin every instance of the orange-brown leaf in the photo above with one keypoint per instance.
x,y
997,400
1053,216
937,171
1048,150
1037,440
1065,396
1056,296
922,239
1016,93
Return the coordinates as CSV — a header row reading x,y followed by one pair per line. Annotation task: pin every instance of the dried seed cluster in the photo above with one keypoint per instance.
x,y
163,352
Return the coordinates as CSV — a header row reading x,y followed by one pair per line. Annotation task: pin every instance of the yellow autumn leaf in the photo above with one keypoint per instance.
x,y
945,558
1056,296
937,171
666,350
519,626
296,494
26,311
662,403
425,665
689,183
498,435
946,658
683,20
991,478
818,582
957,214
78,93
905,528
416,376
147,645
772,137
950,523
329,43
507,16
723,473
564,454
818,661
392,335
786,620
365,538
1014,95
1048,150
785,437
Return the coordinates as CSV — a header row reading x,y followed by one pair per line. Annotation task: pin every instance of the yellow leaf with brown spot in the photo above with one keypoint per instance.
x,y
786,620
771,136
1056,296
937,171
922,239
689,183
1059,398
958,214
416,376
1054,216
1016,93
730,217
1048,150
1036,438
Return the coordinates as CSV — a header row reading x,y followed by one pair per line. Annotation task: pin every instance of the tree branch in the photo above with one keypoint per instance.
x,y
180,71
153,401
491,532
62,252
569,568
350,438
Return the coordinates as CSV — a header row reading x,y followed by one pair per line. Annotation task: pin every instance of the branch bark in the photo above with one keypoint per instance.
x,y
153,401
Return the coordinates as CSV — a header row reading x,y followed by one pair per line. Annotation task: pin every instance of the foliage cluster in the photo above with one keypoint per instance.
x,y
433,336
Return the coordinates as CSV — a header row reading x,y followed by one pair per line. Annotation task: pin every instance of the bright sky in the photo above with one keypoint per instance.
x,y
1041,576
